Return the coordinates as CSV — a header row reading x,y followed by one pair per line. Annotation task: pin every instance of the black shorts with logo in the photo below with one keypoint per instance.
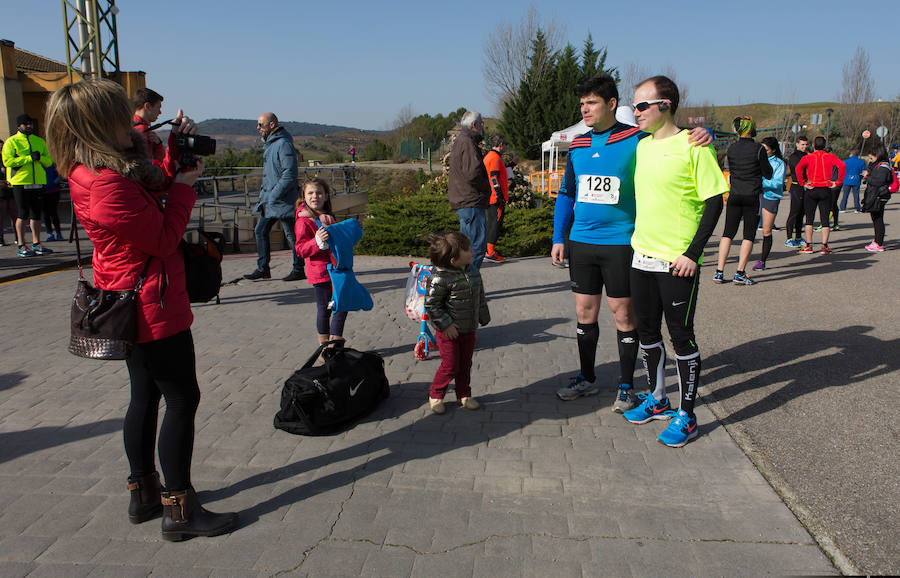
x,y
592,267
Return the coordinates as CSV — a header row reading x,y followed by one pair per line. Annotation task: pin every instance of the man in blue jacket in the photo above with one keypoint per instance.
x,y
856,169
276,196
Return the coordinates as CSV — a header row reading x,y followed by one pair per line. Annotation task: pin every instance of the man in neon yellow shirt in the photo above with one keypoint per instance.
x,y
678,200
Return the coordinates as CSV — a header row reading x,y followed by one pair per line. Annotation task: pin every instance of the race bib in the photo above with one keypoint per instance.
x,y
651,264
598,189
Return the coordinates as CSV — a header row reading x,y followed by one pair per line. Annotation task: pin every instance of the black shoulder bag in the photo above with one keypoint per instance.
x,y
104,323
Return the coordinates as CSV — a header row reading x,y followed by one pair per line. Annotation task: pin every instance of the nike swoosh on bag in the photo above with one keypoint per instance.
x,y
353,390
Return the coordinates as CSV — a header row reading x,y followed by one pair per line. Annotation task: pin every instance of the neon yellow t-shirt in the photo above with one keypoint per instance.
x,y
672,181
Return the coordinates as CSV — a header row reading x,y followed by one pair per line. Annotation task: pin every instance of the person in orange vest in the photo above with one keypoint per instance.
x,y
493,163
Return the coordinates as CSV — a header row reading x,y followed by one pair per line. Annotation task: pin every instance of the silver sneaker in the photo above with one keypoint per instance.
x,y
625,400
578,388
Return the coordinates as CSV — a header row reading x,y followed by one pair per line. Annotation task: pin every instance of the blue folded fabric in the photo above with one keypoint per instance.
x,y
347,293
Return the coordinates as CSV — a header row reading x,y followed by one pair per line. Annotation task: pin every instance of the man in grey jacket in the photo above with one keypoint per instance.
x,y
468,187
276,196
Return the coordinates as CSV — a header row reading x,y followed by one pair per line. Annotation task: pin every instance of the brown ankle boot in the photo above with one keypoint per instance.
x,y
144,503
184,517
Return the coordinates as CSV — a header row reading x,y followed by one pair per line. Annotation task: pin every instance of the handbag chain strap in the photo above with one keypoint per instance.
x,y
140,281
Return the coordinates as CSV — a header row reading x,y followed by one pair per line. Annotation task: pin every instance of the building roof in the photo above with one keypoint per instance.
x,y
31,62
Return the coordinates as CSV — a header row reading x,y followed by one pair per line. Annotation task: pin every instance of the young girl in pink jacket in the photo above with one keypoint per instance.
x,y
313,215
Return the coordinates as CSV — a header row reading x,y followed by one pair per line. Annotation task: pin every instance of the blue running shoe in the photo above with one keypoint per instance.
x,y
719,277
580,386
649,409
682,430
792,243
743,279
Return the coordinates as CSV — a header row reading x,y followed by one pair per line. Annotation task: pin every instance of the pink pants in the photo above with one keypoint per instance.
x,y
456,365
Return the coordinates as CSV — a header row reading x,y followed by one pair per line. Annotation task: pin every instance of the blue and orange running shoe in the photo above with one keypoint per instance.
x,y
682,430
649,409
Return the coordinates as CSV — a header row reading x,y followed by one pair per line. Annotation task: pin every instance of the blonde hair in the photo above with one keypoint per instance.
x,y
81,122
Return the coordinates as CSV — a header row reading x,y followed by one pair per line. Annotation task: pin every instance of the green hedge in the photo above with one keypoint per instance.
x,y
400,226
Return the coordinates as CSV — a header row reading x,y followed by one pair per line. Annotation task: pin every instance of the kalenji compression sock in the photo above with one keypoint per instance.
x,y
688,379
654,358
628,350
588,334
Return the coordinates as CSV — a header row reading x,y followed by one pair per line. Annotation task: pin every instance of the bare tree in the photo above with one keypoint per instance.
x,y
404,116
632,74
857,93
507,49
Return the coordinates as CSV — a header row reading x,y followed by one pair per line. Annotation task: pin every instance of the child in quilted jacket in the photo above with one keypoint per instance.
x,y
455,303
313,215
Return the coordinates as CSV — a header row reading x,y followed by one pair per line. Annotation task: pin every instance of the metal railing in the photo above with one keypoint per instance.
x,y
342,180
228,215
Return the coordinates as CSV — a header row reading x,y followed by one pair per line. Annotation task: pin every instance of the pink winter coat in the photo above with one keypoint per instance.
x,y
127,226
317,260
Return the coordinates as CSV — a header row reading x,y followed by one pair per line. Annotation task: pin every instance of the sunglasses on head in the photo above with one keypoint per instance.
x,y
645,104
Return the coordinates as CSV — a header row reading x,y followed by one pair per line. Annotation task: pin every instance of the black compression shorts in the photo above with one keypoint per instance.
x,y
741,207
28,201
592,267
817,198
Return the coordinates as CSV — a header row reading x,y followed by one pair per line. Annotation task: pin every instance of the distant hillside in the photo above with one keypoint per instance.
x,y
246,127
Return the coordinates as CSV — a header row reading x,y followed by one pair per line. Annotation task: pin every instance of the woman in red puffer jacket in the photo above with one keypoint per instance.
x,y
115,191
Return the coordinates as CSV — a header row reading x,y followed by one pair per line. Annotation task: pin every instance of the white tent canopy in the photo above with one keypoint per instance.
x,y
559,140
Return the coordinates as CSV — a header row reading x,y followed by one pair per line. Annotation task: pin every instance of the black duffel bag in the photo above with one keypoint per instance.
x,y
325,399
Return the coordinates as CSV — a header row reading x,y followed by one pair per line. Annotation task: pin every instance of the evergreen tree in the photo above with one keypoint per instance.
x,y
561,98
523,119
546,100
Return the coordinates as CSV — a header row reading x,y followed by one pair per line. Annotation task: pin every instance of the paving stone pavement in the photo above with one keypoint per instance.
x,y
527,486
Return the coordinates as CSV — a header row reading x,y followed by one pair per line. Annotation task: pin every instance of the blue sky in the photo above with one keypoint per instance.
x,y
358,63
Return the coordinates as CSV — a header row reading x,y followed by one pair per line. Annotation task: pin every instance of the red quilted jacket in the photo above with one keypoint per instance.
x,y
127,226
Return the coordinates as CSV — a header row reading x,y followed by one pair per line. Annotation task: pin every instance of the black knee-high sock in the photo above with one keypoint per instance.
x,y
588,335
688,379
628,350
767,247
654,358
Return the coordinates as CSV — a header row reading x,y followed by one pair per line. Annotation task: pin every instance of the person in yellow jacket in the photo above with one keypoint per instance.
x,y
25,156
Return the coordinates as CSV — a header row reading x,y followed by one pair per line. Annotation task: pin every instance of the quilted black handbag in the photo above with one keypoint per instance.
x,y
104,323
326,399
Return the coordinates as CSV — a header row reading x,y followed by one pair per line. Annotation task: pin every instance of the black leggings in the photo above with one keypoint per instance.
x,y
794,226
494,222
819,197
878,223
162,368
51,214
326,322
655,294
835,194
741,207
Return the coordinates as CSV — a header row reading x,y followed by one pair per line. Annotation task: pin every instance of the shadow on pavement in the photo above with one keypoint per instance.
x,y
502,413
533,290
11,380
780,359
19,443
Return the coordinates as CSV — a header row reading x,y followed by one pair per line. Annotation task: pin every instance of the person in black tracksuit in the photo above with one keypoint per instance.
x,y
749,165
794,225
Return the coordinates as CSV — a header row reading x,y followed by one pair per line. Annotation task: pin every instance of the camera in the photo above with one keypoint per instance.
x,y
189,146
192,146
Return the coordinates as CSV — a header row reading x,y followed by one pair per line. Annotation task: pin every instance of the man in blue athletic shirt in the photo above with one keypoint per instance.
x,y
598,193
